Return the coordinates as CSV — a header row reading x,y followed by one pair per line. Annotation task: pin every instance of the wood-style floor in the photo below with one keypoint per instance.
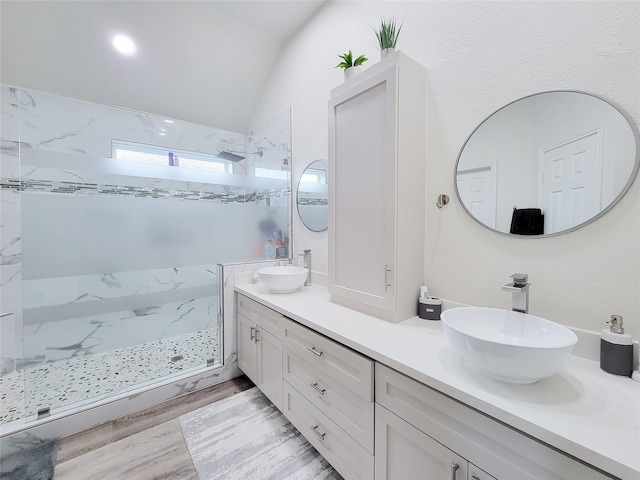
x,y
142,446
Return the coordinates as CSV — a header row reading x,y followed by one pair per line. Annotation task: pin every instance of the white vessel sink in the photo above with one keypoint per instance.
x,y
285,279
509,346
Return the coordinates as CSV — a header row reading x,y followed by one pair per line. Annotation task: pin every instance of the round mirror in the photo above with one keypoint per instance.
x,y
313,196
547,164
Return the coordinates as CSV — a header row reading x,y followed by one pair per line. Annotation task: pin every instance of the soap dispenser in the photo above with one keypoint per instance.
x,y
616,349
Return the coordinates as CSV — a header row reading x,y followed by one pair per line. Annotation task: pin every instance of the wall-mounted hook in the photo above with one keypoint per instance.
x,y
443,199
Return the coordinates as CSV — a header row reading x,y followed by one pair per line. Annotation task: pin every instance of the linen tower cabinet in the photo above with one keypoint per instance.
x,y
377,156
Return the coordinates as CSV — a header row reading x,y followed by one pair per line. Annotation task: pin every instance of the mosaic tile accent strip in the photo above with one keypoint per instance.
x,y
312,201
90,378
80,188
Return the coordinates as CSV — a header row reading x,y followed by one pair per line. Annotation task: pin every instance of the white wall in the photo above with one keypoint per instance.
x,y
480,56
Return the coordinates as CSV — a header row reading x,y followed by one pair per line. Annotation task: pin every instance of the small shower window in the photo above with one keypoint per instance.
x,y
158,155
271,173
313,175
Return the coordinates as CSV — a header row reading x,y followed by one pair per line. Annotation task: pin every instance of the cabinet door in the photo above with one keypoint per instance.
x,y
247,356
269,351
362,131
476,473
403,452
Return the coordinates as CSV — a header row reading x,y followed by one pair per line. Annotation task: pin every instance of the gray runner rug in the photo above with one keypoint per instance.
x,y
245,437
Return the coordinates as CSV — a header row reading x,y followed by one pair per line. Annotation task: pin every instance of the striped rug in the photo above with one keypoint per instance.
x,y
245,437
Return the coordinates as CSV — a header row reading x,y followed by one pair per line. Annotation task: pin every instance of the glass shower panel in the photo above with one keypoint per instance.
x,y
118,289
119,259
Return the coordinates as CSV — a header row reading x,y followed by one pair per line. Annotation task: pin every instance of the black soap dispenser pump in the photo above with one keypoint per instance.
x,y
616,349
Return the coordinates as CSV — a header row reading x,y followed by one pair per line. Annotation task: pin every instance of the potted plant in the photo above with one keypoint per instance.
x,y
351,67
387,35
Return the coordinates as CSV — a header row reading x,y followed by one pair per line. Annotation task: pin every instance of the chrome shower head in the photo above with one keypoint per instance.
x,y
232,157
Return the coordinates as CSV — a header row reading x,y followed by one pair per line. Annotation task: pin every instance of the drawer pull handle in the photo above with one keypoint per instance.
x,y
315,430
454,469
317,388
314,351
253,333
473,477
387,283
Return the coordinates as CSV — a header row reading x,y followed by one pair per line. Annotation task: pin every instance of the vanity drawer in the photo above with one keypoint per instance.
x,y
341,404
262,316
496,448
346,455
339,363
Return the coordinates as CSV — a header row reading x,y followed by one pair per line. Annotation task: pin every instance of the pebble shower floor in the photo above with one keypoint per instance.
x,y
65,383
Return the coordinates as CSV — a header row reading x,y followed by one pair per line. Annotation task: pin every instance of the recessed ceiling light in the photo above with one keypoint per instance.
x,y
169,121
124,45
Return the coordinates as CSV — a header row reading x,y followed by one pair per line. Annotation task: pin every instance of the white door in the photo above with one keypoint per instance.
x,y
477,187
570,182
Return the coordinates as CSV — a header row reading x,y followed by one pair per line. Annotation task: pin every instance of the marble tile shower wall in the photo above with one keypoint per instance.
x,y
143,307
10,244
47,143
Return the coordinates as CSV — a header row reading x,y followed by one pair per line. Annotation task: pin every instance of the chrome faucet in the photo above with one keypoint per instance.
x,y
519,289
307,263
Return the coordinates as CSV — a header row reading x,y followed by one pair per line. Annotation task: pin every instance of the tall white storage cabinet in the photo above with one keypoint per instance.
x,y
377,150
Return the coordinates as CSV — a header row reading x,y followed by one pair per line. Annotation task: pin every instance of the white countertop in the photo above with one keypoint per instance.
x,y
582,410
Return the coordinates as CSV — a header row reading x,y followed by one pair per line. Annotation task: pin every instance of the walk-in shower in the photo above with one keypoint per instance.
x,y
114,224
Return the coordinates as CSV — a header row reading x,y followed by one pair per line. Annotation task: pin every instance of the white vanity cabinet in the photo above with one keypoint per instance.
x,y
412,431
421,433
328,397
377,149
260,348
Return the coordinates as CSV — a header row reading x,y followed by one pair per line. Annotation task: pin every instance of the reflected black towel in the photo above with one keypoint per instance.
x,y
527,221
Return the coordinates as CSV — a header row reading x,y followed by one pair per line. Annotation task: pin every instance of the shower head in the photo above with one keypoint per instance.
x,y
232,157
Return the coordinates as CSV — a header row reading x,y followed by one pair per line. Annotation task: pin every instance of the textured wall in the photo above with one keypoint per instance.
x,y
480,56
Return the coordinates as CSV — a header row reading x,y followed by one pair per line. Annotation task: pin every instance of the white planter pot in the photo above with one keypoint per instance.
x,y
352,72
386,52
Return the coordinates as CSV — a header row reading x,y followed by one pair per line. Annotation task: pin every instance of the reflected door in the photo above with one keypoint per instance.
x,y
477,191
569,188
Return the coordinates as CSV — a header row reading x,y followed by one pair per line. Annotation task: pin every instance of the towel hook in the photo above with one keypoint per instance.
x,y
443,199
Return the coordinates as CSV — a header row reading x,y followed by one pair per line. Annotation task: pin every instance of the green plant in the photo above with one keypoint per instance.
x,y
387,33
348,61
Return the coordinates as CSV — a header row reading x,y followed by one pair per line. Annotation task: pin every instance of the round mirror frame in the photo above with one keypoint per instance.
x,y
623,191
302,219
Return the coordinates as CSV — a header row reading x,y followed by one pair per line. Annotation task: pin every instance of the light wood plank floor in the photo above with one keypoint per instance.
x,y
142,446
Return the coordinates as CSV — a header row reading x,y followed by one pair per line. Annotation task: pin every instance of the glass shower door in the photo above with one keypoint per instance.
x,y
120,287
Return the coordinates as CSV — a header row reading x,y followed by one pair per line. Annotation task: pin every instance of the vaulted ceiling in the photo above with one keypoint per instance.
x,y
201,61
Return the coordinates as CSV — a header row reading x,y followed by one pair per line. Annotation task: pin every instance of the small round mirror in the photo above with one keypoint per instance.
x,y
313,195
